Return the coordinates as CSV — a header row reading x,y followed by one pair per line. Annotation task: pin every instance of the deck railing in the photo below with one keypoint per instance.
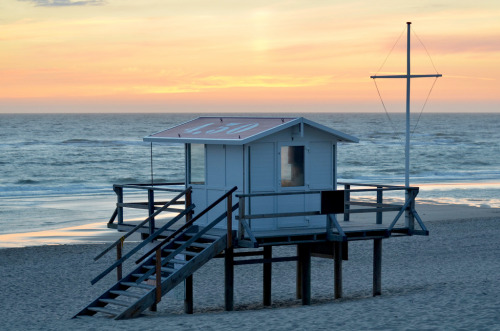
x,y
151,205
166,230
351,205
154,209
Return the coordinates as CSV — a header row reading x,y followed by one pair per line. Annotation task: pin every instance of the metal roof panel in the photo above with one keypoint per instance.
x,y
233,130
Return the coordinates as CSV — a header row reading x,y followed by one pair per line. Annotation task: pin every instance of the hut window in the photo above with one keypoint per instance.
x,y
197,157
292,166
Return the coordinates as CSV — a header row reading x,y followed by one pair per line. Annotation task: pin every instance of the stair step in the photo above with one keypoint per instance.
x,y
126,293
153,277
141,285
174,261
104,310
194,244
204,236
165,269
169,250
116,302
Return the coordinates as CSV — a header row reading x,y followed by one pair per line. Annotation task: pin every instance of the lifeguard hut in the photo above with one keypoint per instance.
x,y
253,183
258,155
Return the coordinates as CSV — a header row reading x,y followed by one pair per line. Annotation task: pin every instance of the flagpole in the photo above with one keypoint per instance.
x,y
408,77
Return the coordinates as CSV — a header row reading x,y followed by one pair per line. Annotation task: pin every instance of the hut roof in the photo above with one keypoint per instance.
x,y
235,130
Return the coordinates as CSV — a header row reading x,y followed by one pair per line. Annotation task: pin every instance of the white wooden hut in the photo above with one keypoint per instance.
x,y
285,171
259,155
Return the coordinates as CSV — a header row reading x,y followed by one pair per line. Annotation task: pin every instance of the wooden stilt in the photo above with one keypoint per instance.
x,y
268,254
377,267
305,258
337,269
188,283
298,280
188,295
229,278
158,276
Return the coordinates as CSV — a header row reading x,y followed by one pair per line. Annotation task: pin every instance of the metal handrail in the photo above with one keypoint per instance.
x,y
141,245
379,187
378,207
138,226
374,185
188,224
151,187
179,249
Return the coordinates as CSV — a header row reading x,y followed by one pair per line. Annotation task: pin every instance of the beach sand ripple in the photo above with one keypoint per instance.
x,y
449,280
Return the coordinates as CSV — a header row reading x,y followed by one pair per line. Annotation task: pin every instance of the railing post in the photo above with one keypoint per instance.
x,y
347,199
379,201
188,283
151,210
230,221
119,202
409,218
241,215
187,203
329,227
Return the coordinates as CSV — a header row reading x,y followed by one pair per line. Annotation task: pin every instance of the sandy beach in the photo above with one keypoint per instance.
x,y
448,280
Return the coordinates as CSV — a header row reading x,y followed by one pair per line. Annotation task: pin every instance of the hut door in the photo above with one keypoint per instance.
x,y
262,179
292,178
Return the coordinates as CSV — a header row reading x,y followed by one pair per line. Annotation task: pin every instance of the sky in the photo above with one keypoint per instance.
x,y
246,56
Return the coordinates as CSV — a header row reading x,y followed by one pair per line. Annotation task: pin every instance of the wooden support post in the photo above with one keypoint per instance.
x,y
157,282
188,283
119,201
377,267
409,218
241,214
187,203
188,295
229,221
337,269
151,210
305,258
379,201
298,280
268,254
347,199
119,269
158,275
229,278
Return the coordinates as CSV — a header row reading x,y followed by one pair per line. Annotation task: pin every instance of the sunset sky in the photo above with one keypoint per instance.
x,y
241,56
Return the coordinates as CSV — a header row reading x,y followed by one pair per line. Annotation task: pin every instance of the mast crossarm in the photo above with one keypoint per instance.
x,y
406,76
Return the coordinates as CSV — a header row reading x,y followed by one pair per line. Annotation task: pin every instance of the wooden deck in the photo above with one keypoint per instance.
x,y
353,230
361,220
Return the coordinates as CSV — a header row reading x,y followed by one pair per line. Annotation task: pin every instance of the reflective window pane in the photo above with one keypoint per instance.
x,y
292,166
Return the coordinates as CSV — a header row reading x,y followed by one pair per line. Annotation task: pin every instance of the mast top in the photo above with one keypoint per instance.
x,y
408,77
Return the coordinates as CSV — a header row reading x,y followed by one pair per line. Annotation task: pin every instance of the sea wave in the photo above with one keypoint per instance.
x,y
105,143
27,182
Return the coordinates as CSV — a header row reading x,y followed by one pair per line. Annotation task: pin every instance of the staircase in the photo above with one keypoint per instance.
x,y
164,267
137,291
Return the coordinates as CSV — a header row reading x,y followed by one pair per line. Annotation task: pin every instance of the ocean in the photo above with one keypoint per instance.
x,y
57,170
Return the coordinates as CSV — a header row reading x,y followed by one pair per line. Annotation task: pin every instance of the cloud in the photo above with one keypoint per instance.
x,y
65,3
